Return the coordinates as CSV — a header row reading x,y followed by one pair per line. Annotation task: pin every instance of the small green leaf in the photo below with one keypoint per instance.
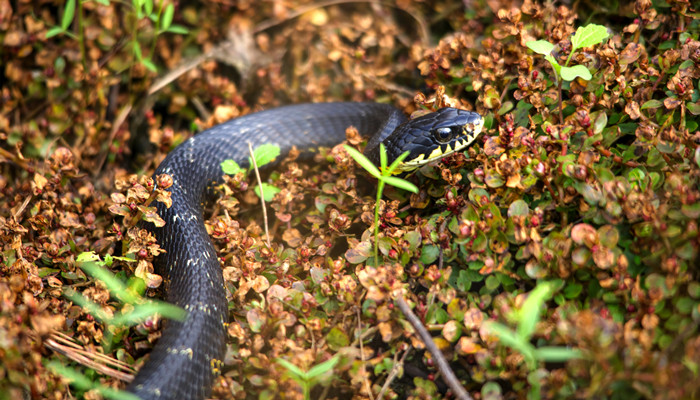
x,y
149,65
56,30
693,108
322,368
556,354
600,121
510,339
395,164
68,14
103,2
529,314
337,339
291,368
518,207
265,154
178,29
382,157
148,7
571,73
555,64
142,311
429,254
363,161
167,17
400,183
588,35
231,167
268,190
540,47
652,104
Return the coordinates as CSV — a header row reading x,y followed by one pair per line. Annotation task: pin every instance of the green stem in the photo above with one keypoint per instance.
x,y
157,30
380,189
81,36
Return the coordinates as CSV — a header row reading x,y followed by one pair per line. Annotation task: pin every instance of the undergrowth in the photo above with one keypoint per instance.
x,y
587,187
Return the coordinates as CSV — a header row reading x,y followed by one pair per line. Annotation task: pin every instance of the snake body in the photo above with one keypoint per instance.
x,y
188,355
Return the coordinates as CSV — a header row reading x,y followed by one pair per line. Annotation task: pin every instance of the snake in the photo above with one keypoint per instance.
x,y
189,354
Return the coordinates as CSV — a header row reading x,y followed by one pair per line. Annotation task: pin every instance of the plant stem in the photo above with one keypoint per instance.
x,y
81,36
442,365
561,111
380,189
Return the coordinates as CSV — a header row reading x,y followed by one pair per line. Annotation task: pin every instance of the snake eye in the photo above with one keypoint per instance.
x,y
443,134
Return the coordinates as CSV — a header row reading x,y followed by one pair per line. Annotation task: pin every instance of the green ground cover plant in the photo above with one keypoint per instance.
x,y
572,223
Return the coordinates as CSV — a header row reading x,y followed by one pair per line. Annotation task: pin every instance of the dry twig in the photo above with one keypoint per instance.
x,y
443,366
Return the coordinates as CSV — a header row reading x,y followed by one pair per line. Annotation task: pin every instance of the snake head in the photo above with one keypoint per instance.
x,y
433,136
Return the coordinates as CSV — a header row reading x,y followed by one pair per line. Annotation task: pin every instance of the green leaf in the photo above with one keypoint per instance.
x,y
337,339
83,383
167,16
178,29
268,190
103,2
518,207
56,30
510,339
556,354
265,154
540,47
363,161
148,7
555,64
395,164
571,73
693,108
382,157
652,104
149,64
588,35
400,183
231,167
322,368
291,368
429,254
68,14
529,314
138,7
136,48
142,311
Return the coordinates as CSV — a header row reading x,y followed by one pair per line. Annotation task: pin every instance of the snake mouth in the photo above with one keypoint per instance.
x,y
470,132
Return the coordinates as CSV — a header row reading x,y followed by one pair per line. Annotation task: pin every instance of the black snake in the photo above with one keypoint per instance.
x,y
187,357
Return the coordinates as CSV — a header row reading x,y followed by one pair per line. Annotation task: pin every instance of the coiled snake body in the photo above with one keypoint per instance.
x,y
185,360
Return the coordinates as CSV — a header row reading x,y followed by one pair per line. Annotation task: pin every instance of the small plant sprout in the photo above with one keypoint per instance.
x,y
308,379
585,36
526,319
264,155
384,176
161,15
133,310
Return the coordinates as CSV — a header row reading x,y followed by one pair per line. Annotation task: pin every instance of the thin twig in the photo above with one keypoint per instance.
x,y
102,363
262,195
393,373
368,387
444,368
